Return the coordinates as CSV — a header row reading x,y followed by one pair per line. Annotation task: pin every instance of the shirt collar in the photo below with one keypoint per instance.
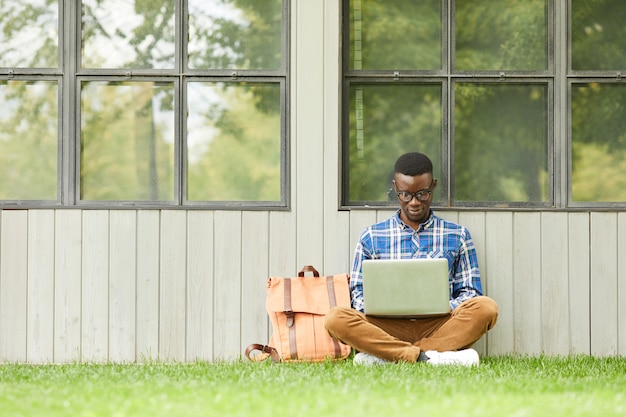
x,y
423,226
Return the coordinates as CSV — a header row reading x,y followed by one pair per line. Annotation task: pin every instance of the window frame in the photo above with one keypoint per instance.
x,y
552,76
70,75
583,77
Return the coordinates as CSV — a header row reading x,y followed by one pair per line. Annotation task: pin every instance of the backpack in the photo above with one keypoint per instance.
x,y
297,308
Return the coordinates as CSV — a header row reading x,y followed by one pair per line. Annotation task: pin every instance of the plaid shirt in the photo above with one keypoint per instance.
x,y
435,238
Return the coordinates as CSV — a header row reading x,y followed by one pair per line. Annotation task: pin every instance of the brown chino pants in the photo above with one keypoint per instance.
x,y
403,339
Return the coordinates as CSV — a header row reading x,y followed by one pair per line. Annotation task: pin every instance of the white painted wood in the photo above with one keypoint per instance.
x,y
282,250
604,284
200,277
527,282
282,255
499,268
309,139
475,223
254,275
148,267
336,248
359,221
173,285
13,285
227,325
382,215
40,316
621,279
579,291
67,285
76,261
122,285
449,215
95,286
554,284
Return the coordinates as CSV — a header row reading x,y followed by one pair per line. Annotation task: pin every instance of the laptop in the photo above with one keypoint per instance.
x,y
406,288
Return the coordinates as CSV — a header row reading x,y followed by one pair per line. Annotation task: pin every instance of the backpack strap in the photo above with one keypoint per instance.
x,y
293,347
265,349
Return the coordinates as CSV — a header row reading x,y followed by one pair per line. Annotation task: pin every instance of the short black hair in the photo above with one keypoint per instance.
x,y
413,163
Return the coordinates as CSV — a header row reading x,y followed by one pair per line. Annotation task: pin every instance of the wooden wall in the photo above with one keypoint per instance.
x,y
125,286
177,285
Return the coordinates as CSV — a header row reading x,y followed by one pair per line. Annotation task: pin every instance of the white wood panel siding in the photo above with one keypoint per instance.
x,y
40,307
147,284
578,279
127,285
13,284
67,286
309,159
200,291
95,286
604,284
498,272
621,283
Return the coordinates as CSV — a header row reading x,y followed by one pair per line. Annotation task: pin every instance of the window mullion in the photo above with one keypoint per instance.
x,y
69,29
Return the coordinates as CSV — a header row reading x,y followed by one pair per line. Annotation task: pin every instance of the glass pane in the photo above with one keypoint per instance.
x,y
385,122
395,35
128,34
29,130
127,141
501,35
598,33
501,143
235,34
233,142
29,36
599,142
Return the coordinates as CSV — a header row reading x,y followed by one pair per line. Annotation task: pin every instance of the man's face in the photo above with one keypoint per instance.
x,y
416,210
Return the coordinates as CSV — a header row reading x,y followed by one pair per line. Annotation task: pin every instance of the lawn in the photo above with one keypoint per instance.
x,y
501,386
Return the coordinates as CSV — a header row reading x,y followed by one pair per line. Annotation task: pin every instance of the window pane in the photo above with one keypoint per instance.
x,y
233,34
29,33
500,143
599,142
234,142
127,141
385,122
598,33
501,35
395,35
29,130
128,34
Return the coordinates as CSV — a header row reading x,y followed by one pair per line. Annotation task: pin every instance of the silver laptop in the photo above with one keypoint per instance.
x,y
406,287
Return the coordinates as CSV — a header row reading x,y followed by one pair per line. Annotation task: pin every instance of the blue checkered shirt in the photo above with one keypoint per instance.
x,y
435,238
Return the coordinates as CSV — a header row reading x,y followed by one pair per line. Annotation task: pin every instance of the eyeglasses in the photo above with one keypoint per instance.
x,y
422,195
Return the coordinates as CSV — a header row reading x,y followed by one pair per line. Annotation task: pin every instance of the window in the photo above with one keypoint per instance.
x,y
598,103
476,85
143,103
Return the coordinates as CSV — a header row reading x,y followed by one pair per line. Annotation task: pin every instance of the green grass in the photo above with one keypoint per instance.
x,y
501,386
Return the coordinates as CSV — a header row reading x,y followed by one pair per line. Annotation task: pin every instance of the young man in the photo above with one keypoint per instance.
x,y
415,232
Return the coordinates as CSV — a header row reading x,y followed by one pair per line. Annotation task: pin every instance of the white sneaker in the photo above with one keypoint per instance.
x,y
467,357
363,358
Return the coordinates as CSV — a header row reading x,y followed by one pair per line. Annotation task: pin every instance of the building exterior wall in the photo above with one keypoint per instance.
x,y
136,285
186,285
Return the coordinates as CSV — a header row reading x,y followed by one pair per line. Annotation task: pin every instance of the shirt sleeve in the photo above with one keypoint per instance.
x,y
356,274
466,279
